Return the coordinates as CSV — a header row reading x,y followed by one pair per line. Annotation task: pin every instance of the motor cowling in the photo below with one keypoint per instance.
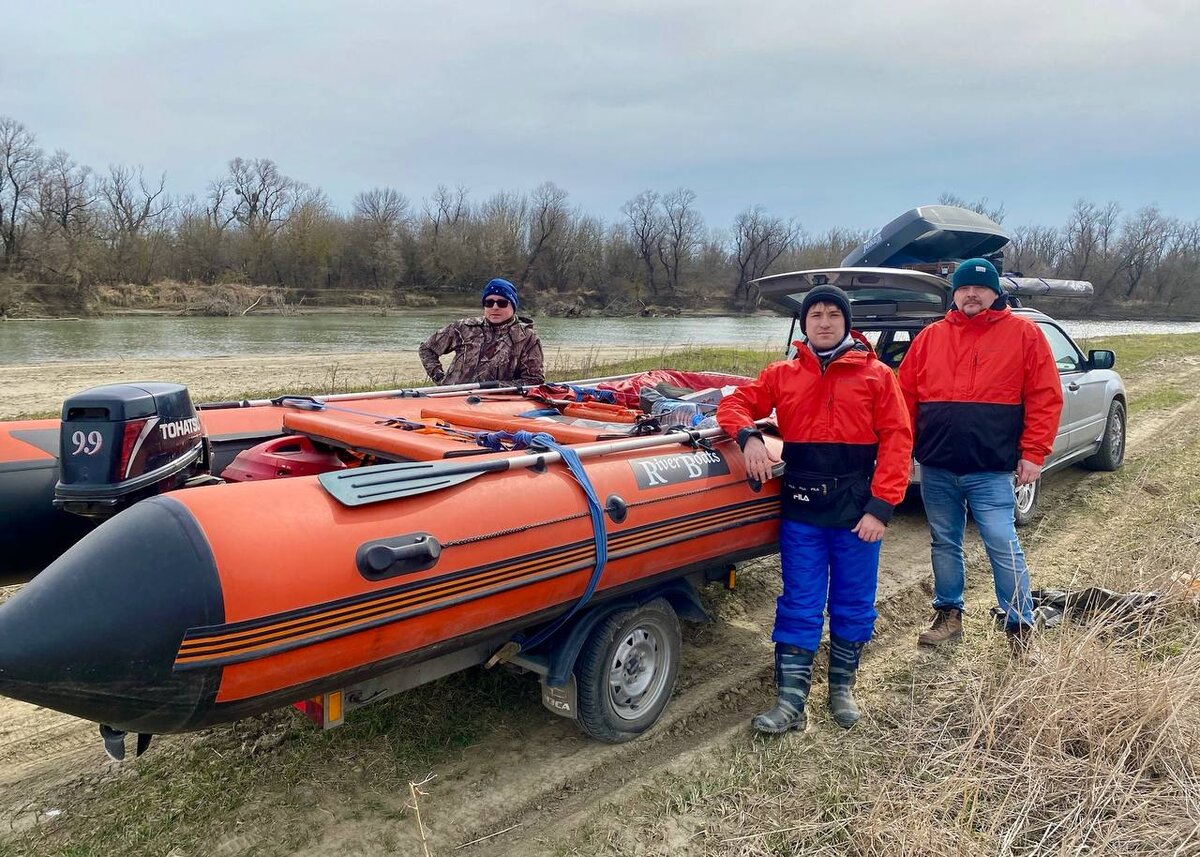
x,y
120,443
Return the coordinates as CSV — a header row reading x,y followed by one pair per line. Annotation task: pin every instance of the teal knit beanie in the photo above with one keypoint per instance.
x,y
976,272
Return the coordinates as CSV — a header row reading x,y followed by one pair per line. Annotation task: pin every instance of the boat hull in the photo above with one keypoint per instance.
x,y
214,603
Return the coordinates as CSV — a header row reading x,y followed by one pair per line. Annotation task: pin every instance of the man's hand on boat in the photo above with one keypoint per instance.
x,y
759,460
869,528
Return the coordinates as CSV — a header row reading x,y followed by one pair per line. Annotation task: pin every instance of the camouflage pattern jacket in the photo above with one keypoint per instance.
x,y
485,352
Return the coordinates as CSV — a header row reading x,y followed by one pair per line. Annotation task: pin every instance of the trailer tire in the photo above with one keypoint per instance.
x,y
626,671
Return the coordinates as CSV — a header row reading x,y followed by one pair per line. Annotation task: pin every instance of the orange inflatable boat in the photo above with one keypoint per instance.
x,y
377,543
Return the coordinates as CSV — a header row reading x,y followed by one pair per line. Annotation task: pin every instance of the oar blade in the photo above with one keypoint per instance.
x,y
367,485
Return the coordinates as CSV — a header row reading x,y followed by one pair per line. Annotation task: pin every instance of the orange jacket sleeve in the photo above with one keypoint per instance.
x,y
909,377
893,461
1042,398
737,412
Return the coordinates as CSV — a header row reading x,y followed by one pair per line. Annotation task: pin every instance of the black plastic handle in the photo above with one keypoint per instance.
x,y
383,558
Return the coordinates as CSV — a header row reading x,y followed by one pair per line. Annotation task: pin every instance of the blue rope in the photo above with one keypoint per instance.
x,y
598,395
596,511
503,441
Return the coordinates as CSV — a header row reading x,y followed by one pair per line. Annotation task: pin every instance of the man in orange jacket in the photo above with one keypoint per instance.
x,y
847,445
984,396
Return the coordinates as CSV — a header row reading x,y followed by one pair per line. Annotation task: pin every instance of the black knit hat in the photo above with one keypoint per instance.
x,y
826,295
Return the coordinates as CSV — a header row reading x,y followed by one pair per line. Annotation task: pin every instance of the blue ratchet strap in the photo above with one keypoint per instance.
x,y
596,511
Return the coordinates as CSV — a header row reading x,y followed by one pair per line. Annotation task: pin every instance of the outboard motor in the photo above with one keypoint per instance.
x,y
121,443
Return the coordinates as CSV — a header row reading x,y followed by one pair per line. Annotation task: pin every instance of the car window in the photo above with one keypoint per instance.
x,y
892,351
1066,356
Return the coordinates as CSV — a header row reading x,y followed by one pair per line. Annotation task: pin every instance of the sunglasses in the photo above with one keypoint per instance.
x,y
496,302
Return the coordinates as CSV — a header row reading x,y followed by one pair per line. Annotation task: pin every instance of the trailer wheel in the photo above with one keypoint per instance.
x,y
626,671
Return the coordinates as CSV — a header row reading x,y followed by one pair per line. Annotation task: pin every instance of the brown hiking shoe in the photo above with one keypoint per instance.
x,y
1020,644
946,628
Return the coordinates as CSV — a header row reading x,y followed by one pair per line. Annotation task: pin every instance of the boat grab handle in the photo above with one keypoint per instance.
x,y
383,558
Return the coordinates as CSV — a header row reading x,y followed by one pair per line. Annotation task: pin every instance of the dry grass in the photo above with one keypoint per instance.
x,y
1094,749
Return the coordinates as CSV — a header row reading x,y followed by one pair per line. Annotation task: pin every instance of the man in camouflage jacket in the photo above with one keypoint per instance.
x,y
498,346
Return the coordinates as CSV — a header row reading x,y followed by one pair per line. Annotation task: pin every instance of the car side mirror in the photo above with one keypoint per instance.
x,y
1102,359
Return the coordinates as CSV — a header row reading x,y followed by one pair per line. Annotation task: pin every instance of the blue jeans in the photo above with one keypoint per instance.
x,y
825,564
993,506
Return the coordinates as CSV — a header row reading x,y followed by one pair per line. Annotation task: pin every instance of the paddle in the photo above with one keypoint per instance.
x,y
381,482
442,391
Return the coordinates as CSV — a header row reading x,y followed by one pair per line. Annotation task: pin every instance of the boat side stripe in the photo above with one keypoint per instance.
x,y
233,643
562,552
223,638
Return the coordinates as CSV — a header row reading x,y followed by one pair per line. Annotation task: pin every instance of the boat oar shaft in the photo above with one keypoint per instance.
x,y
441,391
406,479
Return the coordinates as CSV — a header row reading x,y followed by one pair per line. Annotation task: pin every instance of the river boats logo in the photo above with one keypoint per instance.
x,y
679,467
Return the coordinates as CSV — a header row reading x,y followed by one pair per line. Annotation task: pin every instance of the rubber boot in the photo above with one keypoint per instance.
x,y
793,677
1020,644
843,667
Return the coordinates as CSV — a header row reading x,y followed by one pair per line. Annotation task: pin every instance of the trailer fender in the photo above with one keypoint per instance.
x,y
561,650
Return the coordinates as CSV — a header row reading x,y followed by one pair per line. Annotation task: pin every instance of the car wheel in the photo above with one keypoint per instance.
x,y
1111,453
626,671
1027,511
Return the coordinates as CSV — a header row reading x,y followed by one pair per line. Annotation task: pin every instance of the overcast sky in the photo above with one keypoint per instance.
x,y
836,113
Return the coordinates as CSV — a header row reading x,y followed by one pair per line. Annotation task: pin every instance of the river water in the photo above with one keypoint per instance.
x,y
163,337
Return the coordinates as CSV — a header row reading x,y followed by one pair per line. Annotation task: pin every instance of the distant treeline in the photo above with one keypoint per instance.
x,y
64,223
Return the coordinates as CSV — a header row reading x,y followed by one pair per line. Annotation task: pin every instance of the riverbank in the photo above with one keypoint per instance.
x,y
38,391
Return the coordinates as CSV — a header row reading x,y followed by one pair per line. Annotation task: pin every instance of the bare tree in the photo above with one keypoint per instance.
x,y
263,198
682,229
446,207
1035,249
1143,243
758,240
65,224
1088,236
133,207
65,193
384,208
20,166
548,218
645,231
381,217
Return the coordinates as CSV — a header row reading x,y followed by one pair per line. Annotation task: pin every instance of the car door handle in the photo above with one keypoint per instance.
x,y
1073,387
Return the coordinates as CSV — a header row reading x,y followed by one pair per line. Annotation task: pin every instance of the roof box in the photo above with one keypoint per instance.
x,y
930,233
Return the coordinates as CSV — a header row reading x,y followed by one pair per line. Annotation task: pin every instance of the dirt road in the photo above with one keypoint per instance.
x,y
519,786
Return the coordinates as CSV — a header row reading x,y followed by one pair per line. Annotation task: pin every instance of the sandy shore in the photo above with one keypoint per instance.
x,y
40,390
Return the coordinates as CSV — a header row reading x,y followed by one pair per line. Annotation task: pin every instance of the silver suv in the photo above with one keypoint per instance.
x,y
892,305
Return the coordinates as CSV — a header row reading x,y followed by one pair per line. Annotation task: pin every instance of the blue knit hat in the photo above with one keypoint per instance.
x,y
976,272
504,289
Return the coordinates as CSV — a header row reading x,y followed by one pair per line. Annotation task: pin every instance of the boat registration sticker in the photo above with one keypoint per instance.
x,y
679,467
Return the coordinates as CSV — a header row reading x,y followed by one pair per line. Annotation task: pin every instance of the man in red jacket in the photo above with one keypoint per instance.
x,y
847,445
984,396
